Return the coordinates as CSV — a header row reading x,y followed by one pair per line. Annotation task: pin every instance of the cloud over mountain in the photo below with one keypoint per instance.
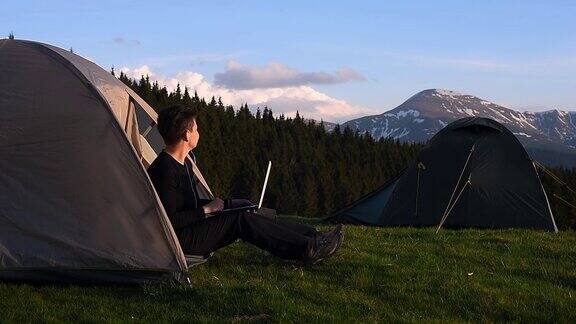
x,y
286,100
277,75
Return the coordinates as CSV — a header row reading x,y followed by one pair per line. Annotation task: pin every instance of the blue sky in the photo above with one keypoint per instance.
x,y
331,60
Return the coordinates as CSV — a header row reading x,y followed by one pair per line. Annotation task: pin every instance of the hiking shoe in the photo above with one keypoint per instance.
x,y
325,245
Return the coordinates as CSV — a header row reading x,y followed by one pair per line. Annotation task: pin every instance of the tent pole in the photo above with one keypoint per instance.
x,y
458,182
454,204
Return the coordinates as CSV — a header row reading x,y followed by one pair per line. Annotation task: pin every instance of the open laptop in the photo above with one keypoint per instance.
x,y
250,207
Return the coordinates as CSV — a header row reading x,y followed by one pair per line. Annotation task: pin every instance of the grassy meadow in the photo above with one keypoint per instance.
x,y
379,275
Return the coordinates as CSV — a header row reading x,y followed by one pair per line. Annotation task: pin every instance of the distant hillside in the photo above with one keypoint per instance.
x,y
548,136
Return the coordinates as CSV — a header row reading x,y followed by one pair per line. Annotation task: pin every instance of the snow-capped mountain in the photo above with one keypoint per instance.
x,y
424,114
558,125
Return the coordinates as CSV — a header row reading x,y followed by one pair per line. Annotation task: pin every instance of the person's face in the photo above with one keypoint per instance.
x,y
192,135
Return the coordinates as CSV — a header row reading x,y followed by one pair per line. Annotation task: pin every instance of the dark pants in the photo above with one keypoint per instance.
x,y
283,239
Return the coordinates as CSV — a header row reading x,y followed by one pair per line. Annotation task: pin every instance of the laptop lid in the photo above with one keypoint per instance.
x,y
265,184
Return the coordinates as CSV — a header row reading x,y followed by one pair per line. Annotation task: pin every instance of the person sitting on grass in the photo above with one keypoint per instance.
x,y
201,233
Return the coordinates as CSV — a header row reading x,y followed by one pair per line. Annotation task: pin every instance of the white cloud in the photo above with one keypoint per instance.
x,y
126,42
287,100
277,75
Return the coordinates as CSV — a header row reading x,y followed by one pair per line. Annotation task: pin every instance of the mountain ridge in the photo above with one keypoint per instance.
x,y
549,136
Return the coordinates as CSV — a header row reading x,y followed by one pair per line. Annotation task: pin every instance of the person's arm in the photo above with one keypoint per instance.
x,y
204,202
165,183
213,206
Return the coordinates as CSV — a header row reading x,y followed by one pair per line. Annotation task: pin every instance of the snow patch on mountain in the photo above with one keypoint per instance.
x,y
404,113
446,93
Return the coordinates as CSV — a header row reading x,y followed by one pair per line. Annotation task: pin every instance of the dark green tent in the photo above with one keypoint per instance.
x,y
473,173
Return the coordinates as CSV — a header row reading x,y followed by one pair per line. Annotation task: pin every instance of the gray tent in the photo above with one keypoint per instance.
x,y
473,173
76,203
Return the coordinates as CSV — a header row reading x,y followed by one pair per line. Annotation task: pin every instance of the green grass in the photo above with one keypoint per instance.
x,y
380,274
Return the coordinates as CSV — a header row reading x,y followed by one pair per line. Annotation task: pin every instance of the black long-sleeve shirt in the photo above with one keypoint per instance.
x,y
176,186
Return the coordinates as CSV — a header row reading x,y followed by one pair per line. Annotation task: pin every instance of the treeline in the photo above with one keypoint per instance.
x,y
315,172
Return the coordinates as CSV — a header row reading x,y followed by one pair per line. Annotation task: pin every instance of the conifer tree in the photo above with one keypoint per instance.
x,y
186,99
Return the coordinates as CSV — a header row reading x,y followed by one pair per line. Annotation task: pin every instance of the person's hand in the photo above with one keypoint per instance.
x,y
215,205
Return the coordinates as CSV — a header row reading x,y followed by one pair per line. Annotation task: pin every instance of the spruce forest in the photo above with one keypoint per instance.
x,y
314,172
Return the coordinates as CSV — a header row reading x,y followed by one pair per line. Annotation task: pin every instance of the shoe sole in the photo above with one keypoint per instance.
x,y
331,253
340,240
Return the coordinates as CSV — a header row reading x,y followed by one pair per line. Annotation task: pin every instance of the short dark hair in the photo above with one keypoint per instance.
x,y
174,121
